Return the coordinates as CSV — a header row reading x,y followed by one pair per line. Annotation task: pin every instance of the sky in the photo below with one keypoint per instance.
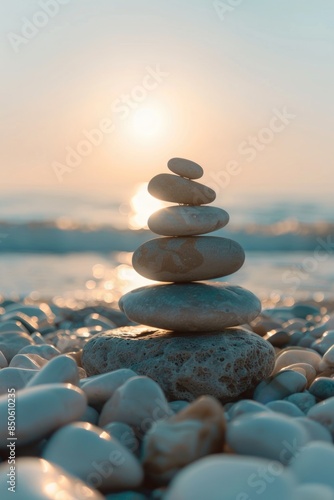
x,y
98,95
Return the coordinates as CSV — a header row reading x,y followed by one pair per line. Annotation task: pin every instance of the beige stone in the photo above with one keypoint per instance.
x,y
169,187
185,168
193,433
190,258
187,220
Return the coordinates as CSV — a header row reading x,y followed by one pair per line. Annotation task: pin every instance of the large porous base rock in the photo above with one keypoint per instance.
x,y
224,364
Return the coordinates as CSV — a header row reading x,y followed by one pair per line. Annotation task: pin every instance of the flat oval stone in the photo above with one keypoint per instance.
x,y
189,258
185,168
224,364
41,410
191,307
187,220
169,187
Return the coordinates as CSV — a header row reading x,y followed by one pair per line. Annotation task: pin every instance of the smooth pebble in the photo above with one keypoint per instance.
x,y
169,187
185,168
188,258
91,454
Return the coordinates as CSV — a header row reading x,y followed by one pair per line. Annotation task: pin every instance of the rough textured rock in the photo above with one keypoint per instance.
x,y
224,364
169,187
191,307
188,258
185,168
187,220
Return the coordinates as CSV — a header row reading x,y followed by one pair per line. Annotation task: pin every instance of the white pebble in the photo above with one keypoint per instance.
x,y
267,435
100,388
139,402
234,478
90,453
293,356
324,414
314,464
37,479
61,369
41,410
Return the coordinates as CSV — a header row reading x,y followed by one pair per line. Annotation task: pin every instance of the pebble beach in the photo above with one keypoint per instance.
x,y
184,389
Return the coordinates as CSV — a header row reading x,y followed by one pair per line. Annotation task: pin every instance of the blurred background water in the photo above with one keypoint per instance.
x,y
81,247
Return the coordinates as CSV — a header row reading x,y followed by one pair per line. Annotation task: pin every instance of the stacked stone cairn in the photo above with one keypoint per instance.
x,y
191,347
183,258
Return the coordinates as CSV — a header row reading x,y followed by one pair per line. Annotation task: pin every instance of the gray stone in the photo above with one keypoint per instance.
x,y
185,168
191,306
187,220
224,364
169,187
188,258
322,388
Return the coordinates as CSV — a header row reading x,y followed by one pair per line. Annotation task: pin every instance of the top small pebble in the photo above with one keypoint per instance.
x,y
185,168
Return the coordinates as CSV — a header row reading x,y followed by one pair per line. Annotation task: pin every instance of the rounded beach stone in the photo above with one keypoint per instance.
x,y
41,410
322,388
187,220
232,477
279,386
185,168
293,356
268,435
188,258
224,364
316,431
61,369
125,434
139,402
191,307
286,408
310,491
12,342
41,480
173,443
169,187
46,351
246,406
100,388
91,454
323,413
314,463
15,378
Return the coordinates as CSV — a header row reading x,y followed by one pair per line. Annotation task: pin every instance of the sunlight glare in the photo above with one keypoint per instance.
x,y
142,206
147,122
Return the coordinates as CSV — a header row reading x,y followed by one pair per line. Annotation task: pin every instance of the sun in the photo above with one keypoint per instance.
x,y
147,122
142,206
